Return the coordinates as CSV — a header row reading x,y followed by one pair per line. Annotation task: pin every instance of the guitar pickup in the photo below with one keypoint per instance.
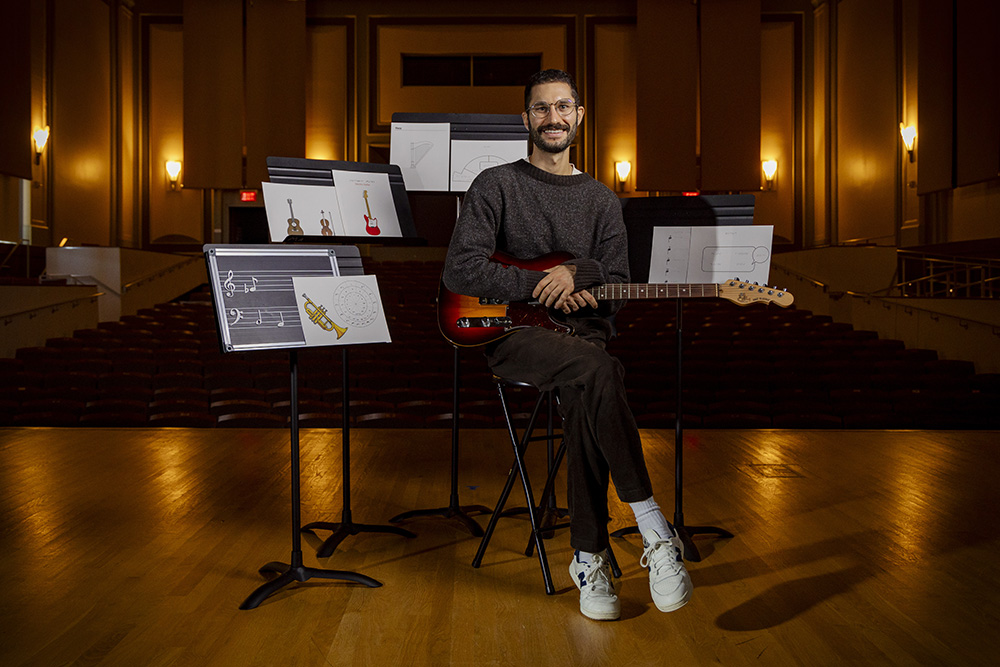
x,y
484,301
482,322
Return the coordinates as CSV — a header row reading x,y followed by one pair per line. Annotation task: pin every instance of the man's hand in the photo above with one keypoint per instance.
x,y
555,290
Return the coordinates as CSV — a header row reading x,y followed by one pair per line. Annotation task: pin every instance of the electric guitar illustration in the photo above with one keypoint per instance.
x,y
371,223
468,321
294,228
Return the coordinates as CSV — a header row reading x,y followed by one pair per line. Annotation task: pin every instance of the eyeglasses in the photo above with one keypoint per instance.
x,y
563,107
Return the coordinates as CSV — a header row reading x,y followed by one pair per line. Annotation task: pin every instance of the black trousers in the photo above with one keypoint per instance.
x,y
600,431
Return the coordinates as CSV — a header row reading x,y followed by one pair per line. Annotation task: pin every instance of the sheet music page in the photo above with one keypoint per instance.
x,y
366,204
671,249
470,158
343,310
301,210
421,151
711,254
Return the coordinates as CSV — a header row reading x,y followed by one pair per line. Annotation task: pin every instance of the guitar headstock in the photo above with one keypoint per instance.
x,y
744,293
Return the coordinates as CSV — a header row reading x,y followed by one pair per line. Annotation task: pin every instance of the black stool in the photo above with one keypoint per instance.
x,y
546,506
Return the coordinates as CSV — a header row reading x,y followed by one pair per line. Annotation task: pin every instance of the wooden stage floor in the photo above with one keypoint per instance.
x,y
136,547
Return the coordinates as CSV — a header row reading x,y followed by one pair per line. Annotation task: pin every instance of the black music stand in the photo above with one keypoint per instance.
x,y
465,128
295,570
346,525
454,510
641,215
248,279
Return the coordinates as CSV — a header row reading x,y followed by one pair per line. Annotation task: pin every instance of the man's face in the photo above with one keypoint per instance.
x,y
552,133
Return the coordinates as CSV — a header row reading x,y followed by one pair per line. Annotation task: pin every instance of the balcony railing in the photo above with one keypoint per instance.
x,y
926,275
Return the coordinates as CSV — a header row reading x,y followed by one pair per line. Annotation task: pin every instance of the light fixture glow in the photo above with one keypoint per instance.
x,y
40,137
173,172
622,170
770,169
909,134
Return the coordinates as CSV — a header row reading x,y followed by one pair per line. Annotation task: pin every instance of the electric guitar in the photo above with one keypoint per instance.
x,y
468,321
371,224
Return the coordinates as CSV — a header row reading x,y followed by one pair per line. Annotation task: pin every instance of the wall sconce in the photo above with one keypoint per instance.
x,y
40,137
909,134
173,173
770,169
622,170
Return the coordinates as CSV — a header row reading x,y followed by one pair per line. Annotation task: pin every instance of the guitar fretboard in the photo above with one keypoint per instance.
x,y
617,291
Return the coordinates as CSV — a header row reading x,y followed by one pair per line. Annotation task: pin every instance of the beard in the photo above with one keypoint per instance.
x,y
538,137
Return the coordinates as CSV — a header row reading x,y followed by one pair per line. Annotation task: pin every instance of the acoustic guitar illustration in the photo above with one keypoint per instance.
x,y
325,223
371,223
294,228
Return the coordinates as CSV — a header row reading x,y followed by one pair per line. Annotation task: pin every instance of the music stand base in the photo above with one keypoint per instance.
x,y
457,512
291,573
344,529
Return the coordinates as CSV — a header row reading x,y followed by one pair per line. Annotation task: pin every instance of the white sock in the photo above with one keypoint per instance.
x,y
649,517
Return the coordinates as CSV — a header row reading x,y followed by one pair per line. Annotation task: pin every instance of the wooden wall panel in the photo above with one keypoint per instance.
x,y
328,92
213,94
935,97
730,95
867,122
612,102
666,94
777,129
174,216
977,72
16,149
80,146
275,84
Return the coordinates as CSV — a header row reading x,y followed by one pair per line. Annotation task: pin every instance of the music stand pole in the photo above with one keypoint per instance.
x,y
684,532
347,526
454,510
296,571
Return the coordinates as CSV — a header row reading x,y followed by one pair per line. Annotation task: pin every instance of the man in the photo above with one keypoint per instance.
x,y
542,205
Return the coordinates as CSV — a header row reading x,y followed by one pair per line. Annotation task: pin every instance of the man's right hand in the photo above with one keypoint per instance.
x,y
555,290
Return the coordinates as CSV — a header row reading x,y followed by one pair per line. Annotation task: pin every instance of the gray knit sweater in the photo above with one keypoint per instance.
x,y
527,212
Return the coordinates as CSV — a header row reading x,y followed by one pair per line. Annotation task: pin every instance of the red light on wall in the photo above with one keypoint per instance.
x,y
690,194
248,195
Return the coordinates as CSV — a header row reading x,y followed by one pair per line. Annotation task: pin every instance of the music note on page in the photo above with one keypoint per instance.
x,y
254,287
282,318
229,285
258,317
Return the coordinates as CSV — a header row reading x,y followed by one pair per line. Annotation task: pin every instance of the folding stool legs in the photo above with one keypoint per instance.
x,y
518,469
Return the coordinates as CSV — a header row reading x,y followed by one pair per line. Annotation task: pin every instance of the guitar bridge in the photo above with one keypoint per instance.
x,y
484,301
482,322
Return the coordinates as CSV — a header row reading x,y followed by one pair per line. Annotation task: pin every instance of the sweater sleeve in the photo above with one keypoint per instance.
x,y
468,268
610,261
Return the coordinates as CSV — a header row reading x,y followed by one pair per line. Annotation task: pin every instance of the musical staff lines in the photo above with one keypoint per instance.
x,y
255,296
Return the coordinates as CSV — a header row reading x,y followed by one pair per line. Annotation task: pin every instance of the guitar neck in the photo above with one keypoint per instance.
x,y
619,291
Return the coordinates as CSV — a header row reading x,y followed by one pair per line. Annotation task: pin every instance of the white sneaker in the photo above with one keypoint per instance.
x,y
669,581
598,599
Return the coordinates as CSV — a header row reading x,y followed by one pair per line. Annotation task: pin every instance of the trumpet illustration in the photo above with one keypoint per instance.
x,y
317,315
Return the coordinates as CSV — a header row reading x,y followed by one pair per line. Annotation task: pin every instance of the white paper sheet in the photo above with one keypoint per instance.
x,y
297,210
711,254
470,158
422,151
343,310
366,205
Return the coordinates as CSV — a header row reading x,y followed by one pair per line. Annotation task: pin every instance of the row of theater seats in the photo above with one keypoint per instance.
x,y
743,367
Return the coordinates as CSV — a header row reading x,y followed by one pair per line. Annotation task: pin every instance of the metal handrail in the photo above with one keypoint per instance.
x,y
947,276
836,295
90,297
